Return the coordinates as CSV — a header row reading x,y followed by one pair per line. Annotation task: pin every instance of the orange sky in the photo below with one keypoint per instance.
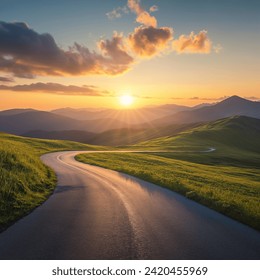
x,y
165,54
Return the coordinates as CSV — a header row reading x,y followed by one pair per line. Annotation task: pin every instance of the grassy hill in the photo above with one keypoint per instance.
x,y
72,135
227,180
130,136
237,131
25,182
236,140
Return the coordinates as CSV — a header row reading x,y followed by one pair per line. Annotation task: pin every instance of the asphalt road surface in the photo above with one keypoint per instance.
x,y
96,213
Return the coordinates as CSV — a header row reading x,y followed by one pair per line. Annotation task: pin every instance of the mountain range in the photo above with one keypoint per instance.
x,y
231,106
129,116
120,127
30,120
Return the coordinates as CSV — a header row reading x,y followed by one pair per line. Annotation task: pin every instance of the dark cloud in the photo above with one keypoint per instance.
x,y
26,53
117,51
59,89
6,79
149,41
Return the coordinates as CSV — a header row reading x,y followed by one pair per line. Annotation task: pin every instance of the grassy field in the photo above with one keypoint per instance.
x,y
24,181
227,180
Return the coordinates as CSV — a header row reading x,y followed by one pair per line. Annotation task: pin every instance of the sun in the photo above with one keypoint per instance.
x,y
126,100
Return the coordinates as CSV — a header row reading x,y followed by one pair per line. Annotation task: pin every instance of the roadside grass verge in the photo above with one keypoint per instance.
x,y
227,179
231,190
25,182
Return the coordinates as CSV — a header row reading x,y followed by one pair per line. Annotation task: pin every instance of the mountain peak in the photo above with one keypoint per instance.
x,y
236,97
236,100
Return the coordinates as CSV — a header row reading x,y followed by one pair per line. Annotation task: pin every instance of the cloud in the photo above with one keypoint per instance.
x,y
59,89
143,16
193,43
117,12
153,9
202,98
6,79
26,53
144,97
253,98
149,41
117,51
177,98
208,98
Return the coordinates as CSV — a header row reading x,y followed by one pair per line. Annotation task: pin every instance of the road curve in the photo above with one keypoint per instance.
x,y
97,213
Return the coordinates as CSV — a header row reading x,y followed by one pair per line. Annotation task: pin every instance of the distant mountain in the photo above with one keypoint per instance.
x,y
128,116
201,105
232,106
172,108
120,127
81,114
12,112
40,120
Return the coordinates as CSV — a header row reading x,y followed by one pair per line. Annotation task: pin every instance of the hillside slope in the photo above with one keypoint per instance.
x,y
226,179
72,135
235,132
131,136
25,182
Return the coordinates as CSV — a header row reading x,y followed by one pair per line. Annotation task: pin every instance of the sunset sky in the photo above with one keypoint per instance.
x,y
80,53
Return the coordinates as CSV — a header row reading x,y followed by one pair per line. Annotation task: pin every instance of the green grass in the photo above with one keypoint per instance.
x,y
233,191
227,180
25,182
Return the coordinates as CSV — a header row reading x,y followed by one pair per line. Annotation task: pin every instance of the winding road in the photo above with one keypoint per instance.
x,y
97,213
